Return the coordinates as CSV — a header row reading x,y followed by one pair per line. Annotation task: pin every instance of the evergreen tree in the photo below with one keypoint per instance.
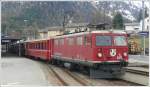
x,y
146,12
140,16
118,21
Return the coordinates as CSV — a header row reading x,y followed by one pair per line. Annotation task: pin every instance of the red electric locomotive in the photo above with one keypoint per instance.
x,y
104,53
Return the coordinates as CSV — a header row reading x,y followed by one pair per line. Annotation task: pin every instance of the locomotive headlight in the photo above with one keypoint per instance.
x,y
99,54
125,53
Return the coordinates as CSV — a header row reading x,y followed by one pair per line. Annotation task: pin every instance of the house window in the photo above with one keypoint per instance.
x,y
147,27
136,28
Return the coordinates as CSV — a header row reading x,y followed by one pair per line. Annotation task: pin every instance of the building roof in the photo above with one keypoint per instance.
x,y
55,28
7,39
132,24
69,25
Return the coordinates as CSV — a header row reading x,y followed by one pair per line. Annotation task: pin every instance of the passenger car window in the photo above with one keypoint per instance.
x,y
87,40
41,45
70,41
56,41
79,40
62,41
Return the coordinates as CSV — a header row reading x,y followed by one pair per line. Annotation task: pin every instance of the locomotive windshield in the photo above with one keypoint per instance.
x,y
103,40
120,41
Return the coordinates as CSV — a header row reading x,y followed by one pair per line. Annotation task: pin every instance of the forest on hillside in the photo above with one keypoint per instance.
x,y
21,16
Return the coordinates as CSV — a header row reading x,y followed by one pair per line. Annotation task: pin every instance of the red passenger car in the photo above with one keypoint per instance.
x,y
105,51
39,49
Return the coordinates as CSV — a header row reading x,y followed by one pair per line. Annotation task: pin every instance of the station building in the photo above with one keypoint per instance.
x,y
50,32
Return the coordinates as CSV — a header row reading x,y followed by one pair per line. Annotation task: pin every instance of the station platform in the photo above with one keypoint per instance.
x,y
21,71
26,72
139,59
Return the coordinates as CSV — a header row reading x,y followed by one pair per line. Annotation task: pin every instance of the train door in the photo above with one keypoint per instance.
x,y
26,48
51,47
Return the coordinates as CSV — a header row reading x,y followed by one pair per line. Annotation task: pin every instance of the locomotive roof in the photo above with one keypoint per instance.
x,y
82,33
90,32
110,31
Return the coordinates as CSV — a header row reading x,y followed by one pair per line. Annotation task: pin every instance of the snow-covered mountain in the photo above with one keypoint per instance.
x,y
130,9
52,13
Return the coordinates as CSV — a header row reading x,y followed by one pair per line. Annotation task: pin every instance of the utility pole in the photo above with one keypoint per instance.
x,y
143,25
6,30
143,15
105,11
64,22
25,28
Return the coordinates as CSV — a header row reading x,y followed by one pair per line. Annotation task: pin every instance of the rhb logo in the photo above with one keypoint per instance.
x,y
112,52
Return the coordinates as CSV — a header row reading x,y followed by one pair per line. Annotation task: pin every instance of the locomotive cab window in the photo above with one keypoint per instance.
x,y
103,40
120,41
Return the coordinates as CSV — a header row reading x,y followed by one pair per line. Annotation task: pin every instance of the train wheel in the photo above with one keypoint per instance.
x,y
53,62
69,65
60,63
87,70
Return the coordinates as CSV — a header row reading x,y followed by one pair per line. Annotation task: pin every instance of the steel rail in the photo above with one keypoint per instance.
x,y
138,72
132,76
136,76
58,77
77,78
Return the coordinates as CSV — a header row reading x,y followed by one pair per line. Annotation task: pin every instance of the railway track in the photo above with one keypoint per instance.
x,y
64,81
58,77
138,65
65,77
86,81
137,71
77,78
136,75
104,82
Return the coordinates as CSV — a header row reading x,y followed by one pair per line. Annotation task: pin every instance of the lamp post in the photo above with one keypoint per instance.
x,y
25,33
